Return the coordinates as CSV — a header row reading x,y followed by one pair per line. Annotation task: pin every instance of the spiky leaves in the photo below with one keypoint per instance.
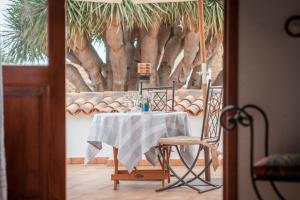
x,y
25,32
25,35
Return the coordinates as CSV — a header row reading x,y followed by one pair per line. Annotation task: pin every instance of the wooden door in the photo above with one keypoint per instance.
x,y
34,108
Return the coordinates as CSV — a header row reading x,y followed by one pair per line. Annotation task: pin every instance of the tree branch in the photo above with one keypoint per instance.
x,y
89,59
74,76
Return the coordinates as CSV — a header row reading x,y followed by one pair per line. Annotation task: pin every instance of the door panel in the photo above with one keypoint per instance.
x,y
25,140
25,75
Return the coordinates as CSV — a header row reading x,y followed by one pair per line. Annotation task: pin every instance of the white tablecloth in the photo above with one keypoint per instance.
x,y
136,134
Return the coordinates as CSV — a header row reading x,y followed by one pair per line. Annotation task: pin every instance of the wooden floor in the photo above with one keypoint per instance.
x,y
93,182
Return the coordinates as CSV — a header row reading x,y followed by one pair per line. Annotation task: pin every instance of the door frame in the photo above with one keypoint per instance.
x,y
56,31
57,59
52,76
230,189
56,55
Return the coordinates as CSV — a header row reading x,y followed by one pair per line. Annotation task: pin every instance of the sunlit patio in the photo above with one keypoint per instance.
x,y
93,182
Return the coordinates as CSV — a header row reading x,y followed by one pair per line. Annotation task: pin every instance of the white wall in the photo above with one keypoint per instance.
x,y
77,132
269,76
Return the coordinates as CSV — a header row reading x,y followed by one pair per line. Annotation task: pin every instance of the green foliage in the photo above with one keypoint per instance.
x,y
25,30
214,18
25,33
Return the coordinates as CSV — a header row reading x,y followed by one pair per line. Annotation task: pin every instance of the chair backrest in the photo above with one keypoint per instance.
x,y
211,128
160,101
232,115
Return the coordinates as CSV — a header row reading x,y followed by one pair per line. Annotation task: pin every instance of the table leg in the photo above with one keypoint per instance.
x,y
116,163
141,175
206,161
164,164
168,160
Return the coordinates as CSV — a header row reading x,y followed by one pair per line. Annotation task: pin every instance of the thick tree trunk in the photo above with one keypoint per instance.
x,y
106,70
219,79
171,51
71,56
132,77
163,37
107,74
74,60
89,59
211,49
195,80
76,79
117,55
149,50
184,68
216,63
191,48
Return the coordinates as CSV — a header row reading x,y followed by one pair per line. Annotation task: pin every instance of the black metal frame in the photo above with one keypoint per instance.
x,y
214,133
161,93
232,116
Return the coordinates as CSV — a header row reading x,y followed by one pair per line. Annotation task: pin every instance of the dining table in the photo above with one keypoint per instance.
x,y
134,134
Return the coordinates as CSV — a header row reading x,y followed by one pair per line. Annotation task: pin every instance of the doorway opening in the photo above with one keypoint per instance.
x,y
96,82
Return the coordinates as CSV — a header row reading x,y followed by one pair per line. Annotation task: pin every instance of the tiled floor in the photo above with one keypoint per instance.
x,y
93,182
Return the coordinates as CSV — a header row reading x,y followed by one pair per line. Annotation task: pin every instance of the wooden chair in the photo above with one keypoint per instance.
x,y
210,138
272,168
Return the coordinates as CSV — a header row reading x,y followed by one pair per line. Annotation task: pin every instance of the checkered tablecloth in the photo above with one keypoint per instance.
x,y
135,134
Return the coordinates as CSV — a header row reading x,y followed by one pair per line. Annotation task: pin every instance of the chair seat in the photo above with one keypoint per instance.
x,y
180,140
281,167
189,140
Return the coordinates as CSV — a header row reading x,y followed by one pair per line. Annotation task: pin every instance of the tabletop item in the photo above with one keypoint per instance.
x,y
146,107
135,134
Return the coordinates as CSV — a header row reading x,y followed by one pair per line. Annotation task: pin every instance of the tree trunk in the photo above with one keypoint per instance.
x,y
107,74
106,68
191,48
90,60
163,36
182,71
195,80
172,50
117,55
211,49
76,79
132,77
216,63
149,50
219,79
71,56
